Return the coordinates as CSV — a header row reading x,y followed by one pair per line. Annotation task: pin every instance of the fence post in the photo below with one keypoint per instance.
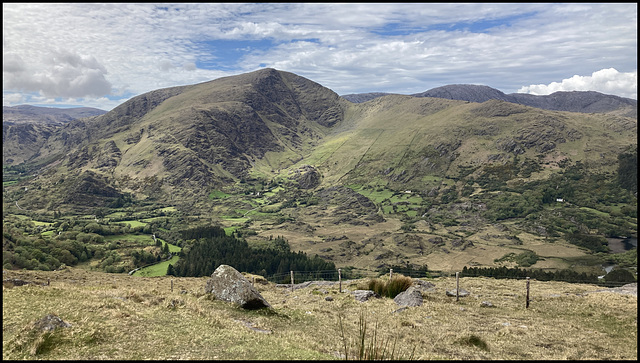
x,y
171,285
390,273
292,281
527,304
457,285
340,279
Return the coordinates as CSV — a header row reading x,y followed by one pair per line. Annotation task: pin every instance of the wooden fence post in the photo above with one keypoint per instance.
x,y
292,281
340,279
171,285
457,285
527,304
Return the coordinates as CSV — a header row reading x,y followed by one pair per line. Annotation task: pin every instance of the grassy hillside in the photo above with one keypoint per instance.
x,y
116,316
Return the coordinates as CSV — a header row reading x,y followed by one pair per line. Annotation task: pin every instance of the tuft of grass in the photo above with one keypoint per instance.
x,y
368,347
475,341
390,288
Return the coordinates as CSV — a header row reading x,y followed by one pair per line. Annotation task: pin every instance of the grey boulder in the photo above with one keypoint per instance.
x,y
410,297
227,284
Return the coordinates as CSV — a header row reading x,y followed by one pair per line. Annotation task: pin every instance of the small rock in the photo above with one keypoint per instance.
x,y
486,304
50,322
461,293
329,298
364,295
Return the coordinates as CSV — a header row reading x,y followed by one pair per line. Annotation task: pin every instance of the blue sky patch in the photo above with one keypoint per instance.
x,y
483,26
225,54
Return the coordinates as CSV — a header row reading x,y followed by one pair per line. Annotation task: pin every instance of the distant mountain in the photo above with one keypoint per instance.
x,y
363,97
183,141
46,115
575,101
25,128
466,92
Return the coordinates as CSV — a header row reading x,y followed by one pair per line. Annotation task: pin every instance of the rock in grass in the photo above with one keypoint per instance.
x,y
364,295
461,293
50,322
410,297
227,284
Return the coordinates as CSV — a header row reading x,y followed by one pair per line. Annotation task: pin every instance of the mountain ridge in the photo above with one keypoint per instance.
x,y
571,101
263,123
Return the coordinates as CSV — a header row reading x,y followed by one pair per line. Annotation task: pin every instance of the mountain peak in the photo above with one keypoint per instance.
x,y
466,92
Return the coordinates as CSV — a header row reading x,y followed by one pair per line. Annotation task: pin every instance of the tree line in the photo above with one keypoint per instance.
x,y
612,279
212,248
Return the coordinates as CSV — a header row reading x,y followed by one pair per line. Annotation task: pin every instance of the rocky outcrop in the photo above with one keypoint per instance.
x,y
227,284
306,176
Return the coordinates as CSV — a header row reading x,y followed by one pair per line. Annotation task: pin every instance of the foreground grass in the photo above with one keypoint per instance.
x,y
117,316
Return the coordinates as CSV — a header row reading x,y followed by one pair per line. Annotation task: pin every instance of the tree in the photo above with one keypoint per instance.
x,y
628,170
620,275
170,270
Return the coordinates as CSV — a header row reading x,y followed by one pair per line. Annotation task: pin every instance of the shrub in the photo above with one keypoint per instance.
x,y
390,288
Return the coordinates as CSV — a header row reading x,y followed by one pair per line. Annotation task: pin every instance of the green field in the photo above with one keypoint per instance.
x,y
159,269
134,223
144,239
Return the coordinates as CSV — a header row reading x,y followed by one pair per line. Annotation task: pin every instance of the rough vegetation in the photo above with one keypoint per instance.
x,y
115,316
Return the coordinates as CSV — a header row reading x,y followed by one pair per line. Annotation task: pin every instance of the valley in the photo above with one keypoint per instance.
x,y
411,181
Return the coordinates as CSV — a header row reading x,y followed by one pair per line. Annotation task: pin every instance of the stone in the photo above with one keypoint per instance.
x,y
461,292
227,284
487,304
410,297
50,322
364,295
423,286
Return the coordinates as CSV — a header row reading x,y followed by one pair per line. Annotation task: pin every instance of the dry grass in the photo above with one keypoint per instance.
x,y
117,316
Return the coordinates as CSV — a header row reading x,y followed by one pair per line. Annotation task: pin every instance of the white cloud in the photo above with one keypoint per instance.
x,y
126,49
60,74
608,81
165,65
12,99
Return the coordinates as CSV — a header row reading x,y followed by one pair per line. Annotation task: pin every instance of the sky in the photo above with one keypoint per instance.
x,y
102,54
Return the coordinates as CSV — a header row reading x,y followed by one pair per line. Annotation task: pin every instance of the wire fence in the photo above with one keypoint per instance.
x,y
348,274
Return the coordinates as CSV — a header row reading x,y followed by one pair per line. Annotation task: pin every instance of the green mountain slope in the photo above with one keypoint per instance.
x,y
397,180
